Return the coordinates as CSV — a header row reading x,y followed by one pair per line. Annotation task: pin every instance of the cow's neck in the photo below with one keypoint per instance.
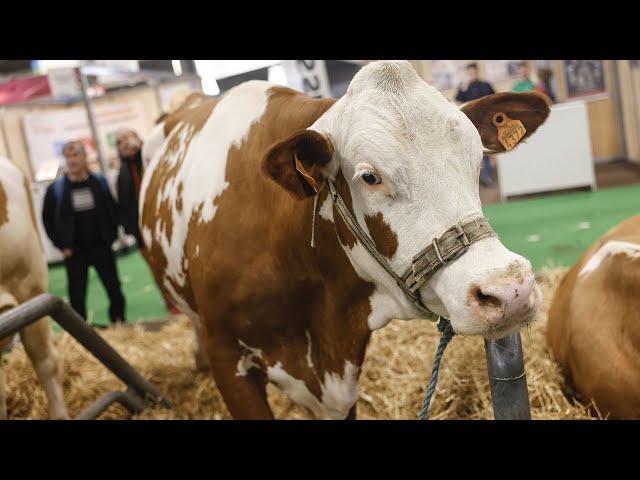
x,y
341,328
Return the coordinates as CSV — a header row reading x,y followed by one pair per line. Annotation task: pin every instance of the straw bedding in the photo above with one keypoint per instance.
x,y
392,383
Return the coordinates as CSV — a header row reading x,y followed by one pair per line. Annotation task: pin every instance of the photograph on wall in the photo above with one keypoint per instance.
x,y
584,77
446,74
498,71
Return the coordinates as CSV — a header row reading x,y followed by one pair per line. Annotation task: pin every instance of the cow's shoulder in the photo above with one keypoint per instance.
x,y
193,113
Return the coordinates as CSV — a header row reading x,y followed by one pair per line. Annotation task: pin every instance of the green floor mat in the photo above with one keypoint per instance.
x,y
556,230
144,301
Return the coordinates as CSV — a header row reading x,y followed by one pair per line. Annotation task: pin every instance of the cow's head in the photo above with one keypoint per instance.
x,y
411,160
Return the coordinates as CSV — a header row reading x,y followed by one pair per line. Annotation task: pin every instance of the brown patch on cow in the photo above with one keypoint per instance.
x,y
179,198
347,238
182,113
531,108
256,278
383,237
4,207
600,312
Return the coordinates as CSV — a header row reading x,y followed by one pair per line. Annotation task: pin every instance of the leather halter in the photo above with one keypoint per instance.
x,y
450,246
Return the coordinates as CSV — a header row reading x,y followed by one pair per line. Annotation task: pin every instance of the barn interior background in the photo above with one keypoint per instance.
x,y
548,212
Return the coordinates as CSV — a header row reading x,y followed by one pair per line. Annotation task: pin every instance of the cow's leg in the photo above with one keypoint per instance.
x,y
39,346
202,361
3,395
244,395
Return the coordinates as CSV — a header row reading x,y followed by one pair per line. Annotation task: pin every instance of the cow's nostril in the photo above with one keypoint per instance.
x,y
487,300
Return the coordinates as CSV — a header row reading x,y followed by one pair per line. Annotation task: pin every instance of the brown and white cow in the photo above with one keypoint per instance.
x,y
23,275
228,222
594,323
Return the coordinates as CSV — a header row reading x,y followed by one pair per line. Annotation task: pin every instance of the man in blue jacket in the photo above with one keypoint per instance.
x,y
80,218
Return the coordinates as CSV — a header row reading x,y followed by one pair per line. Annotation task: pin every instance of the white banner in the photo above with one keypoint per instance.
x,y
46,133
315,81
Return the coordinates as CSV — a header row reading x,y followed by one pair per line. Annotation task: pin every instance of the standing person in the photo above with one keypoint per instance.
x,y
129,146
472,89
544,83
524,83
79,216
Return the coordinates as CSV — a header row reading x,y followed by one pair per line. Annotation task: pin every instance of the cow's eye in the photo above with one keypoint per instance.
x,y
371,178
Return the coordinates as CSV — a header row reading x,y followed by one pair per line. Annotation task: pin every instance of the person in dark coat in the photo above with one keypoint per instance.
x,y
79,216
472,89
129,147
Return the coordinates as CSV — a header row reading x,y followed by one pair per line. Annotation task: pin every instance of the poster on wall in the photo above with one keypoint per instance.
x,y
446,74
47,132
584,77
498,71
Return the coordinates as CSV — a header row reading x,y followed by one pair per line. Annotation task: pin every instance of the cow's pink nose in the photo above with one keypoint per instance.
x,y
505,299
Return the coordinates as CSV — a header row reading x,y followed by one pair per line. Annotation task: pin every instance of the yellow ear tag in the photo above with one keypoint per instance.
x,y
510,131
310,180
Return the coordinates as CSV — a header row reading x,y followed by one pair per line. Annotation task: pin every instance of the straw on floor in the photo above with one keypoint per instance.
x,y
392,383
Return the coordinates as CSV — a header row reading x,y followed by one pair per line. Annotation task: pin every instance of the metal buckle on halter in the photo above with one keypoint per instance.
x,y
465,242
435,247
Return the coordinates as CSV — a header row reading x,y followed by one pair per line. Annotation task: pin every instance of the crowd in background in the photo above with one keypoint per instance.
x,y
473,88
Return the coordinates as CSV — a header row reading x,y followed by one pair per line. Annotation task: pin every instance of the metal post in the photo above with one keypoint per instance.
x,y
507,378
84,85
130,400
48,304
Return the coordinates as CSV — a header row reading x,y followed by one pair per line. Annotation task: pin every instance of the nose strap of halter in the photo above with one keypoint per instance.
x,y
451,245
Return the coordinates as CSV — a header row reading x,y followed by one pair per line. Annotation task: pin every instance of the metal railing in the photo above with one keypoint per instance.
x,y
140,393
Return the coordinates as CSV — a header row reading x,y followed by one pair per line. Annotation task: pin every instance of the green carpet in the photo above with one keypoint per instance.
x,y
556,230
144,301
549,231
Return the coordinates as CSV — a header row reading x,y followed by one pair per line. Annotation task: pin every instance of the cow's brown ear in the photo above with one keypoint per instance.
x,y
295,163
531,108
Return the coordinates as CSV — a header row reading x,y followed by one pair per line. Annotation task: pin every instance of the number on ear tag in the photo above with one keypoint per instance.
x,y
510,131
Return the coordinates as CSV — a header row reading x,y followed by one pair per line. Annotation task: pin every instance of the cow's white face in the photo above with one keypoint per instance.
x,y
411,160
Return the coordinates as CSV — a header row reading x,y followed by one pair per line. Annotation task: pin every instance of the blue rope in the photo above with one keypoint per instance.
x,y
444,327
